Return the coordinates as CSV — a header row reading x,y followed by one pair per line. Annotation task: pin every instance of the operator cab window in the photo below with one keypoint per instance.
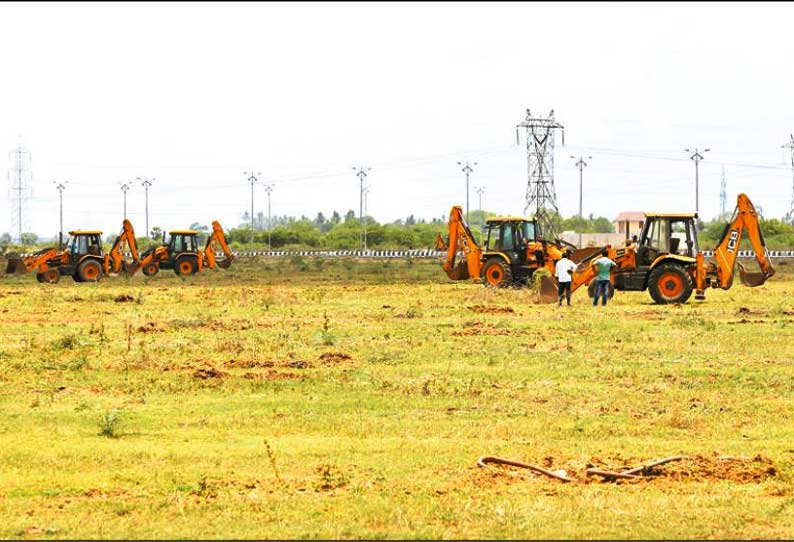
x,y
507,240
528,231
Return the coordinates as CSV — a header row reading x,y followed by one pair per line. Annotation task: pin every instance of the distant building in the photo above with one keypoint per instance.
x,y
629,223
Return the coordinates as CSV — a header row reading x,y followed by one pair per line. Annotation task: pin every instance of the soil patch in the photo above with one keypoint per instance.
x,y
480,328
333,358
491,309
123,298
209,372
149,327
272,375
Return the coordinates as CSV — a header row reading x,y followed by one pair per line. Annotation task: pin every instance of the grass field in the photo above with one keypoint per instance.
x,y
304,398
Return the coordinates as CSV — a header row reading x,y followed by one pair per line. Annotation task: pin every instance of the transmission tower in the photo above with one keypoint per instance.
x,y
723,195
790,146
541,194
20,178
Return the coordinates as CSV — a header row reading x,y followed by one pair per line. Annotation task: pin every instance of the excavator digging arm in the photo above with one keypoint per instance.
x,y
115,262
461,240
209,251
745,218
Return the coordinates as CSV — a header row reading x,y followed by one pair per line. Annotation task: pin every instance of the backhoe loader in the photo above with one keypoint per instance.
x,y
83,259
668,263
182,254
514,249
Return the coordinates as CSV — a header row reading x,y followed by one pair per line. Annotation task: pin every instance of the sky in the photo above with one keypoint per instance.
x,y
194,95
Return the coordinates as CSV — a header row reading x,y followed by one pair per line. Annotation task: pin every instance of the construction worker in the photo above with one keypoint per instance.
x,y
564,271
603,282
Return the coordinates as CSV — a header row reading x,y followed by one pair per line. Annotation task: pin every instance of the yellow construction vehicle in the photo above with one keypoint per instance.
x,y
669,264
83,259
182,253
514,249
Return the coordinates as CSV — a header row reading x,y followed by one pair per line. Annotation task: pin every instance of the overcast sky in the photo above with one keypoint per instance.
x,y
195,94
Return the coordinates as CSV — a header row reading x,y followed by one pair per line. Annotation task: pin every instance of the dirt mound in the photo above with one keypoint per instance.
x,y
149,327
332,358
123,298
741,470
209,372
250,363
491,309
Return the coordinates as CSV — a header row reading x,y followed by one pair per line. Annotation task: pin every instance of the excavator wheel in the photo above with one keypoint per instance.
x,y
496,273
89,271
185,266
151,269
592,286
670,283
51,276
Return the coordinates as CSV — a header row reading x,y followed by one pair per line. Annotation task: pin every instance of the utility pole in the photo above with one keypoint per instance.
x,y
146,182
60,187
268,189
253,180
467,169
581,164
696,157
361,173
125,188
723,195
366,192
790,147
480,191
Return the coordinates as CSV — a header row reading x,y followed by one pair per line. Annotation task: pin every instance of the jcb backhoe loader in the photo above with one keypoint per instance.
x,y
182,254
514,249
83,259
668,263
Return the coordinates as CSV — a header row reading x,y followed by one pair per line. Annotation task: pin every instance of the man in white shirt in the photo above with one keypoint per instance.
x,y
564,271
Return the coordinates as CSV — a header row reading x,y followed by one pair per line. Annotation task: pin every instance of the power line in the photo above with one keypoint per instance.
x,y
723,194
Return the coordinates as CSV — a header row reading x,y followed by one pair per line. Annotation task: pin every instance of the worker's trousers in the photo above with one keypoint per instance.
x,y
602,289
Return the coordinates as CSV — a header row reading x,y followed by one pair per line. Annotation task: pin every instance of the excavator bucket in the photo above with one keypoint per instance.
x,y
752,279
130,268
459,272
16,266
547,291
225,263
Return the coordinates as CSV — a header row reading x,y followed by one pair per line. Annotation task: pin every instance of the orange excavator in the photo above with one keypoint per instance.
x,y
182,253
83,259
514,249
668,263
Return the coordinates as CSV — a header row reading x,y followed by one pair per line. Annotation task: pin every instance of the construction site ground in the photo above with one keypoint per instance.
x,y
300,398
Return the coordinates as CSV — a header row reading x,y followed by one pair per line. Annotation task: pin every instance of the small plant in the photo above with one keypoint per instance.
x,y
139,298
68,342
109,423
272,457
414,311
326,337
535,279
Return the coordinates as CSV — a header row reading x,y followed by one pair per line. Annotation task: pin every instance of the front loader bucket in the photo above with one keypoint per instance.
x,y
581,254
547,291
752,279
16,266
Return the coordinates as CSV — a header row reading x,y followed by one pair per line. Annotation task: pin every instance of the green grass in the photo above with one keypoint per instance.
x,y
297,399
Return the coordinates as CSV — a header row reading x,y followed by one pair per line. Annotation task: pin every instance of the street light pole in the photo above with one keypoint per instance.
x,y
253,180
361,173
146,183
697,157
366,192
268,189
467,169
60,187
124,188
581,164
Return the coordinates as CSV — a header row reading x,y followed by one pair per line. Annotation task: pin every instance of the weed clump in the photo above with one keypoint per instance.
x,y
109,423
329,477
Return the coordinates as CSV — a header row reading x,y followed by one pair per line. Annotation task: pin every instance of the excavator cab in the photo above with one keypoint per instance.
x,y
83,243
667,233
510,236
183,253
